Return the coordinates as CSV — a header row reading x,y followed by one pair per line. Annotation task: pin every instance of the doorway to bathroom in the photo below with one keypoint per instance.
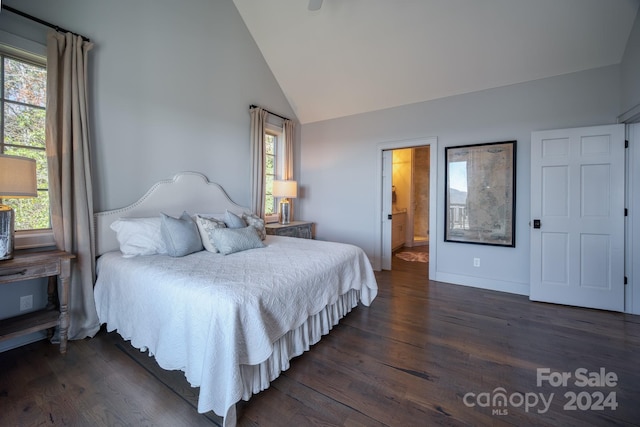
x,y
414,206
410,195
410,198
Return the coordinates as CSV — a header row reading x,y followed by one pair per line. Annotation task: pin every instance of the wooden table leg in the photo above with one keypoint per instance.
x,y
51,305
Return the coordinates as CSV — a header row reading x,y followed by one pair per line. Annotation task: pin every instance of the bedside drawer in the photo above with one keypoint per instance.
x,y
300,229
29,266
13,274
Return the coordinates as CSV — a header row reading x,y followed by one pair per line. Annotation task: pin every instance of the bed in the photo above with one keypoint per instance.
x,y
232,322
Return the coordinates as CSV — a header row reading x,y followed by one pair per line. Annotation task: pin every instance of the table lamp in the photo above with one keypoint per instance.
x,y
286,190
17,180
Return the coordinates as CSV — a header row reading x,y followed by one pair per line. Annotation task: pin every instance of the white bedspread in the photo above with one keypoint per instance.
x,y
207,314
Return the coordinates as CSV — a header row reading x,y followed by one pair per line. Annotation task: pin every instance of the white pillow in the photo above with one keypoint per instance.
x,y
219,216
206,225
139,236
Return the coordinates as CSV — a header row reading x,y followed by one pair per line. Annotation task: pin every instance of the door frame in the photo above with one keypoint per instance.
x,y
380,222
631,120
632,223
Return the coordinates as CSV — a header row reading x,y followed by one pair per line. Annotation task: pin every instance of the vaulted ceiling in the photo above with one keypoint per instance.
x,y
354,56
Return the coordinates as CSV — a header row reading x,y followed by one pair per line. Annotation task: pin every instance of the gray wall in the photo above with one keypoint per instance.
x,y
171,86
170,91
339,161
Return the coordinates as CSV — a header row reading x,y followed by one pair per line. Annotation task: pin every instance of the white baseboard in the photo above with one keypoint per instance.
x,y
482,283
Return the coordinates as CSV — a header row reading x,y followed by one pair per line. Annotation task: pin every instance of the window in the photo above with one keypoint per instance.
x,y
272,169
23,101
270,160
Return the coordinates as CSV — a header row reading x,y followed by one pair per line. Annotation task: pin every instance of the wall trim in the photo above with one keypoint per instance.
x,y
632,115
34,50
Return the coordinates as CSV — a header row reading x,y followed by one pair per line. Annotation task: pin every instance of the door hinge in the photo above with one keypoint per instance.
x,y
625,280
626,212
626,143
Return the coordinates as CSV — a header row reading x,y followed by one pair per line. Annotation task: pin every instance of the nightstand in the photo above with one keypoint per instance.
x,y
33,265
301,229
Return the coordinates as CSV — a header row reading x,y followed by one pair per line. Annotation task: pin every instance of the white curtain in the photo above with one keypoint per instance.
x,y
258,117
288,129
68,157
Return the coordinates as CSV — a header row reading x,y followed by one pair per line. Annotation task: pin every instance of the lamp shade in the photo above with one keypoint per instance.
x,y
285,189
17,177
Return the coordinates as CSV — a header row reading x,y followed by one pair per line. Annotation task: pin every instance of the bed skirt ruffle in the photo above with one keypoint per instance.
x,y
257,378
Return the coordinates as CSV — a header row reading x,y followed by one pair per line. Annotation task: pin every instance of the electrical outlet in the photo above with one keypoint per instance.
x,y
26,302
476,262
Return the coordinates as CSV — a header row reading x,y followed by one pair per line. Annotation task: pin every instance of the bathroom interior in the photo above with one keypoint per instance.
x,y
410,199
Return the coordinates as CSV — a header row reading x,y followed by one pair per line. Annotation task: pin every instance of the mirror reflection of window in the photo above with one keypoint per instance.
x,y
458,218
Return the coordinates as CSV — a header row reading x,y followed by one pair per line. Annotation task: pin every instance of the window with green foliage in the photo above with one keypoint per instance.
x,y
270,162
23,98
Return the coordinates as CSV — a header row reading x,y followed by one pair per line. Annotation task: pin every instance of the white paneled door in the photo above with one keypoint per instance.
x,y
577,217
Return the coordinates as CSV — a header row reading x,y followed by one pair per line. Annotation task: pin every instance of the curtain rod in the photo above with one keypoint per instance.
x,y
273,114
40,21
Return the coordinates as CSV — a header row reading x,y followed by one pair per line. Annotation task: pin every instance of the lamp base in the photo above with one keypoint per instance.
x,y
285,212
7,219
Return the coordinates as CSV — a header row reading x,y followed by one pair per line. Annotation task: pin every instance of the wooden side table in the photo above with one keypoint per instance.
x,y
27,265
301,229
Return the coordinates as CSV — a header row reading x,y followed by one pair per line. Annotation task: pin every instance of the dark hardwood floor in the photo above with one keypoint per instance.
x,y
421,355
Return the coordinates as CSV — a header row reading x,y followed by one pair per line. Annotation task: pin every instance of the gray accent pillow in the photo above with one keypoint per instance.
x,y
234,221
180,235
256,222
231,240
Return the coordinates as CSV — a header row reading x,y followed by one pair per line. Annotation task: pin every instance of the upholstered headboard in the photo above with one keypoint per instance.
x,y
186,191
